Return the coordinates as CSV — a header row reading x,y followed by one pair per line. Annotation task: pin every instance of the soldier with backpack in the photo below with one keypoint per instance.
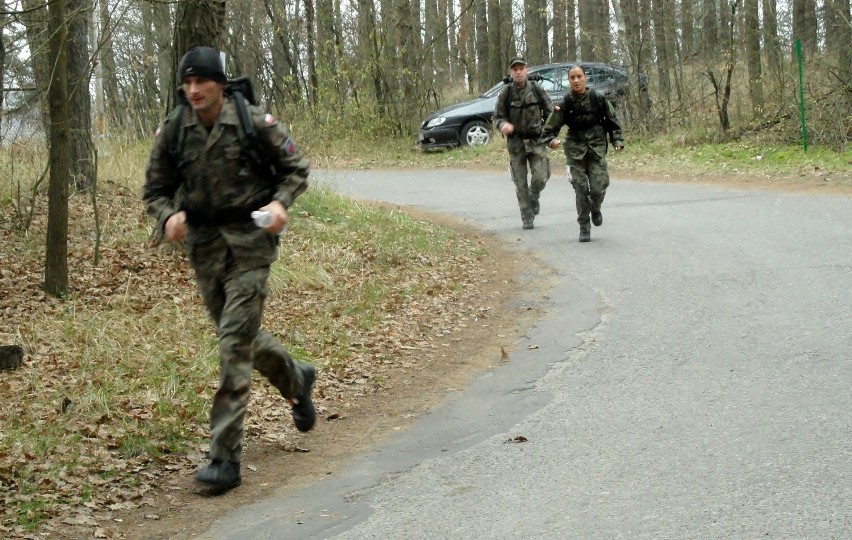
x,y
590,117
215,160
519,115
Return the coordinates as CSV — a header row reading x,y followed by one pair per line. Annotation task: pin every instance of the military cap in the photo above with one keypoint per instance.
x,y
517,60
202,62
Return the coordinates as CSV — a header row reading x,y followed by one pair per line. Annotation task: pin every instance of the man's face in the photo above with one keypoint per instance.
x,y
203,94
577,78
519,73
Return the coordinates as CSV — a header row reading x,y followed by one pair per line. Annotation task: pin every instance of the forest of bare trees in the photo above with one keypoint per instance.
x,y
76,71
716,68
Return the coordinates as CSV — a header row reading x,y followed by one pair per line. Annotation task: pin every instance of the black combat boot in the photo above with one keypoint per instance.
x,y
597,218
535,205
304,413
585,236
220,475
528,224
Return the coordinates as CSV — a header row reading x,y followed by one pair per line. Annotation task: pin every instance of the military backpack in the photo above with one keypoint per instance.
x,y
251,149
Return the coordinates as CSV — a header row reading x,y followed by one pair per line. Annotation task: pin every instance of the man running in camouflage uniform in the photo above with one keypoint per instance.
x,y
519,115
589,117
205,195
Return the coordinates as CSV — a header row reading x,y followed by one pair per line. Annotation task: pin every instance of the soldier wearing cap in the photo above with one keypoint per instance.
x,y
521,110
205,196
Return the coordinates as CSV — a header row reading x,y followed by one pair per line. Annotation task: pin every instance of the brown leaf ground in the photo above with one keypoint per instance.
x,y
406,366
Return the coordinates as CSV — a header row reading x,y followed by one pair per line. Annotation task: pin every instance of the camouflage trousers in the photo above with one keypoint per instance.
x,y
234,299
539,171
590,179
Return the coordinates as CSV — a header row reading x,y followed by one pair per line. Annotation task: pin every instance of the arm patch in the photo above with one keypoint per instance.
x,y
290,146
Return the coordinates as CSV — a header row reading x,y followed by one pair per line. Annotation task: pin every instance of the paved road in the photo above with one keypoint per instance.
x,y
693,380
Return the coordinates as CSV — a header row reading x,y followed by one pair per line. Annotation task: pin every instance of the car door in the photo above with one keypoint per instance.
x,y
600,79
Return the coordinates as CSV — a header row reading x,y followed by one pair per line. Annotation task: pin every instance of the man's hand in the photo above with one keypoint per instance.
x,y
175,228
555,143
507,129
619,148
279,217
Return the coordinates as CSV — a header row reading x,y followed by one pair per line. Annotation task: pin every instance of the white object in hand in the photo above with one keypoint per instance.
x,y
261,218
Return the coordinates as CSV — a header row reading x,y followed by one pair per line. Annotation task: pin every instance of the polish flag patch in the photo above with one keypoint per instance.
x,y
157,133
289,147
269,120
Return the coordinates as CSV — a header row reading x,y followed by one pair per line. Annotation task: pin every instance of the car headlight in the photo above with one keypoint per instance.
x,y
435,122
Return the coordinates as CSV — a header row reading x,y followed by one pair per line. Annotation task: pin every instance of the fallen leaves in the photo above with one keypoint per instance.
x,y
96,455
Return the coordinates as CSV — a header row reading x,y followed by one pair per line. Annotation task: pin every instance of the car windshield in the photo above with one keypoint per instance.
x,y
549,81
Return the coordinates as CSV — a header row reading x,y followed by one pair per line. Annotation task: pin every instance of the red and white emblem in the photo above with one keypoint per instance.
x,y
269,119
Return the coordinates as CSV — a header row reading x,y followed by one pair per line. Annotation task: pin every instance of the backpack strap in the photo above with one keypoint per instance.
x,y
177,138
251,147
539,93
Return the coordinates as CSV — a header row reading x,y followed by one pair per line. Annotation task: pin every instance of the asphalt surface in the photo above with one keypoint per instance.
x,y
693,379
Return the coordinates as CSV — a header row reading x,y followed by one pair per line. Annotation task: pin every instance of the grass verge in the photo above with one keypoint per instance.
x,y
115,390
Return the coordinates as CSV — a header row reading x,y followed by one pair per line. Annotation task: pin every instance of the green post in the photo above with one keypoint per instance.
x,y
802,95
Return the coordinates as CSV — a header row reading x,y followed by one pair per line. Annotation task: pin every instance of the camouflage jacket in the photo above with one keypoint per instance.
x,y
214,178
588,126
525,108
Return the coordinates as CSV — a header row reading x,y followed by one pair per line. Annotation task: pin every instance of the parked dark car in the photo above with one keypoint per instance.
x,y
469,123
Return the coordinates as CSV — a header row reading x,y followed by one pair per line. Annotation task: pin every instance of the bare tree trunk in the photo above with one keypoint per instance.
x,y
536,40
722,91
430,36
673,50
751,25
495,66
572,52
313,79
442,48
482,46
2,67
662,53
531,38
148,58
508,47
644,59
284,63
687,28
603,47
163,40
586,9
709,29
56,258
197,22
838,37
559,49
467,42
770,38
726,24
805,25
34,17
328,68
627,24
79,71
115,108
454,52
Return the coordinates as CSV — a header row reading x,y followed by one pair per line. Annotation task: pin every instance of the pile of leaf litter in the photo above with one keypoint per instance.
x,y
113,396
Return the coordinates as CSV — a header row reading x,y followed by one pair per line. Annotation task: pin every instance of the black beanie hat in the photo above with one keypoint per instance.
x,y
202,62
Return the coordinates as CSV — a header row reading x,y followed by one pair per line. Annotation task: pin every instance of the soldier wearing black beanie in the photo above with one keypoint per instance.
x,y
202,62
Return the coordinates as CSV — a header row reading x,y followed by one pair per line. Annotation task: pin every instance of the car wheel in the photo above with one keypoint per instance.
x,y
475,133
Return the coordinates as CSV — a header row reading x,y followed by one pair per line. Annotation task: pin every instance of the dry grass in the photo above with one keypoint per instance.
x,y
115,389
